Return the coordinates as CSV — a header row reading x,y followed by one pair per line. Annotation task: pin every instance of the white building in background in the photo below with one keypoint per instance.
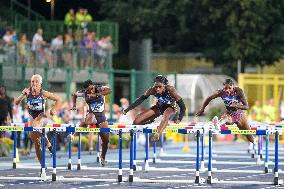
x,y
194,88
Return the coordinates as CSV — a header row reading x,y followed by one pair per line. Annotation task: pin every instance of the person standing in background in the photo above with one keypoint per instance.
x,y
5,108
269,111
256,111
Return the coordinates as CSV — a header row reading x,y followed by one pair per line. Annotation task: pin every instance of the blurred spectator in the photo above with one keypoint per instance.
x,y
87,49
115,112
256,111
57,50
5,108
9,46
87,18
28,143
282,110
15,37
24,50
130,116
269,111
68,50
79,17
37,46
104,50
69,21
8,38
18,118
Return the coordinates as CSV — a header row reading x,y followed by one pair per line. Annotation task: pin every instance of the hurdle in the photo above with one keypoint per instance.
x,y
131,178
276,180
147,131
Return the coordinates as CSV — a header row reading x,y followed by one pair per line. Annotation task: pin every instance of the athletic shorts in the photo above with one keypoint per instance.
x,y
162,107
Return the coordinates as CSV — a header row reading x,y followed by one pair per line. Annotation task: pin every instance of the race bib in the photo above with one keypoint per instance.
x,y
97,106
35,104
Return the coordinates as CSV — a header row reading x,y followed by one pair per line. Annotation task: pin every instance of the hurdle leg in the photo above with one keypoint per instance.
x,y
15,150
54,156
261,146
131,157
209,179
266,153
197,179
147,150
258,160
202,164
253,151
154,148
162,144
43,173
134,151
120,157
98,149
69,155
276,178
79,153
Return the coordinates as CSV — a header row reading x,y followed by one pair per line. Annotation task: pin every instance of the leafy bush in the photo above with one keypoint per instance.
x,y
6,147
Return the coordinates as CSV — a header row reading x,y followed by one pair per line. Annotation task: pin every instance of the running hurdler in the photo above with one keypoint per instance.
x,y
94,96
36,97
167,100
235,102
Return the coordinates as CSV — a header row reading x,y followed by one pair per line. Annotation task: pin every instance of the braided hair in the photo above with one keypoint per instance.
x,y
161,79
228,81
87,83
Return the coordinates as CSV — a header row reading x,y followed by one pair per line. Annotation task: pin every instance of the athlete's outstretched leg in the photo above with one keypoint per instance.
x,y
244,125
145,116
90,120
105,139
166,117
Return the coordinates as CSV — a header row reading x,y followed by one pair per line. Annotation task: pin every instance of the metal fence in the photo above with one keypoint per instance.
x,y
48,56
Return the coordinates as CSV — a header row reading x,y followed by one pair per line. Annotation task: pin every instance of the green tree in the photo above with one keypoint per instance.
x,y
251,31
224,31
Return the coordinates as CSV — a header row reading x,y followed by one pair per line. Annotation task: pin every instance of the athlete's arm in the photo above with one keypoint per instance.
x,y
24,94
54,97
140,100
206,102
74,98
243,99
179,101
102,91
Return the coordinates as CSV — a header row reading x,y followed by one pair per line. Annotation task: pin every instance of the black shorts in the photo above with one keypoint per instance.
x,y
100,117
162,108
2,123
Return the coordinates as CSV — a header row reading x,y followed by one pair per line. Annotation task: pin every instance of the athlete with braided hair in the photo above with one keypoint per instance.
x,y
167,98
94,95
235,102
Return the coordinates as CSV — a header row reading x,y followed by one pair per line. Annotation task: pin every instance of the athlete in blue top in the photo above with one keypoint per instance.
x,y
235,102
36,98
167,98
94,97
